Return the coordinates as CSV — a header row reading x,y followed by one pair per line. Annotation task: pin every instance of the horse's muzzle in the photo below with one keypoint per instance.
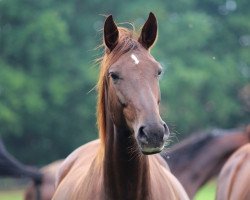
x,y
152,137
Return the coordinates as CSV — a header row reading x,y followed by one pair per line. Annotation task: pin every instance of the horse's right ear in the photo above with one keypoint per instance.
x,y
111,33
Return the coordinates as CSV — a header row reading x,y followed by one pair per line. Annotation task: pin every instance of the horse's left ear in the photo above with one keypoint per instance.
x,y
149,32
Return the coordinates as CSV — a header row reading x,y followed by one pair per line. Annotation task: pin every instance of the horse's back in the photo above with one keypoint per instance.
x,y
74,169
47,188
234,179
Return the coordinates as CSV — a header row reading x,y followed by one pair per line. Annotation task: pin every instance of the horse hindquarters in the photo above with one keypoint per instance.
x,y
234,179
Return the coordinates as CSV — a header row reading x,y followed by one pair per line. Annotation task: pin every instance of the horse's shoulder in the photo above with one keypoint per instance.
x,y
73,158
161,161
52,167
244,149
164,181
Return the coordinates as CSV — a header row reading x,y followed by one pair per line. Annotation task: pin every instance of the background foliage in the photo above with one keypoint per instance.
x,y
47,49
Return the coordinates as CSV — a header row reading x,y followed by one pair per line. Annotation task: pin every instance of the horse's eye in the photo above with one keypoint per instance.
x,y
159,72
114,76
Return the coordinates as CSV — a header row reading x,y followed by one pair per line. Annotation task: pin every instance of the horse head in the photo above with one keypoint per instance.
x,y
132,84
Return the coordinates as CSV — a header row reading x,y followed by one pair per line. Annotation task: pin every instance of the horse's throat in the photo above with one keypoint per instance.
x,y
126,172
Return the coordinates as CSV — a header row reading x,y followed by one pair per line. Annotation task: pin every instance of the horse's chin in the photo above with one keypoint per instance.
x,y
151,151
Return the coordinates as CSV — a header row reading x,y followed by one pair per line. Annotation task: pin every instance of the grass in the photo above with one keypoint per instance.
x,y
207,192
11,195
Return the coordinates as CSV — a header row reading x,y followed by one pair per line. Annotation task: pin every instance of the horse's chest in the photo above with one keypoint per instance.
x,y
164,185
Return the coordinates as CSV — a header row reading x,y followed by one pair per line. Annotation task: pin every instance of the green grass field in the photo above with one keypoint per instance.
x,y
207,192
11,195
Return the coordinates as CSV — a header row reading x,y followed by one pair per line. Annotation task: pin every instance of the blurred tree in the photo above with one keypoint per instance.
x,y
44,82
47,69
205,72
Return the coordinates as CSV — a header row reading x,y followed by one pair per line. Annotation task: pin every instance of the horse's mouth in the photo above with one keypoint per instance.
x,y
150,151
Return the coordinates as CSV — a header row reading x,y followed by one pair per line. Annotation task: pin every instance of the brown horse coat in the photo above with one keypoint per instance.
x,y
47,187
197,159
182,157
77,168
234,178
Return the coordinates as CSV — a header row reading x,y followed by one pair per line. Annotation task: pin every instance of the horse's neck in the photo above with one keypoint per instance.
x,y
126,174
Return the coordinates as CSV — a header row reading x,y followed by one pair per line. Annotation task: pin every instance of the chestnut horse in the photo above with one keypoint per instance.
x,y
234,178
199,158
130,127
47,187
186,160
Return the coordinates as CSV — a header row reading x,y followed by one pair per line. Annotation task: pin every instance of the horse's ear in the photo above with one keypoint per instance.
x,y
149,32
111,33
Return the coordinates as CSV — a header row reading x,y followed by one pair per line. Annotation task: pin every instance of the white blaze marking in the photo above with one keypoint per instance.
x,y
136,61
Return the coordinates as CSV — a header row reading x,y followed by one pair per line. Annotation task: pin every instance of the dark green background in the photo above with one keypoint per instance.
x,y
47,68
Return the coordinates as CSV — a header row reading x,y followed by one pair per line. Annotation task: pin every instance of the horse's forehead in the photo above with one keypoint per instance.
x,y
136,60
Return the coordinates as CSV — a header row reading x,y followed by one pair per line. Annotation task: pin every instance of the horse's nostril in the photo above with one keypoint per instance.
x,y
142,135
166,128
166,132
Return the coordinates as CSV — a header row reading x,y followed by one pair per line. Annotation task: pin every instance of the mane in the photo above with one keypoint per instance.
x,y
126,43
